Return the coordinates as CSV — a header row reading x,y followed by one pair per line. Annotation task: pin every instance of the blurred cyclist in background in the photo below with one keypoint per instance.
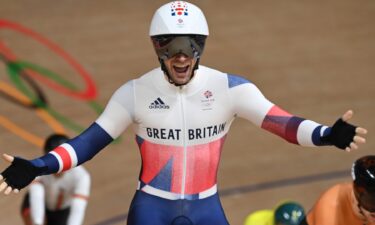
x,y
287,213
57,199
351,203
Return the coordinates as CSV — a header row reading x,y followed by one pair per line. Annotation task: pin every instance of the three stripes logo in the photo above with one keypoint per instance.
x,y
158,104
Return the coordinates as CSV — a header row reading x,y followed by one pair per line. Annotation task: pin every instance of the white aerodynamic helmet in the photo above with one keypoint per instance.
x,y
178,17
178,27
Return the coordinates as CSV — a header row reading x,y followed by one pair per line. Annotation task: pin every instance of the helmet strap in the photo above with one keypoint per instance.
x,y
165,70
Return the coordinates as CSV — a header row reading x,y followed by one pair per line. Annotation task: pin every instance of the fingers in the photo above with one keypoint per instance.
x,y
354,145
359,140
360,130
347,115
1,179
3,186
8,190
8,158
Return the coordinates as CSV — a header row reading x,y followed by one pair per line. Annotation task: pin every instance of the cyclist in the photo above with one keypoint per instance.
x,y
286,213
349,202
181,113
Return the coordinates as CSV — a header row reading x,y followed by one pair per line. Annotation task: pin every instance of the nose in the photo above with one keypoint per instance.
x,y
181,57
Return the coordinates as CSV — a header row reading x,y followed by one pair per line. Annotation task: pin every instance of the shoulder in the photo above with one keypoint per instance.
x,y
330,203
149,76
143,79
235,80
330,196
232,80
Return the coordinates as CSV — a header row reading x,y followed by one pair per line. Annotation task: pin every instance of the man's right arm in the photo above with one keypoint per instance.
x,y
117,116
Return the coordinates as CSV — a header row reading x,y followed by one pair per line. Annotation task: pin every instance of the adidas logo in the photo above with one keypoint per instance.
x,y
158,104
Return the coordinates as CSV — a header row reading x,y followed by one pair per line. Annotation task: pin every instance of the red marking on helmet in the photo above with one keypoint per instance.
x,y
180,8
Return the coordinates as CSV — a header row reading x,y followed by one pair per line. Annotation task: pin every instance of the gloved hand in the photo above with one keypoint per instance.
x,y
19,174
345,135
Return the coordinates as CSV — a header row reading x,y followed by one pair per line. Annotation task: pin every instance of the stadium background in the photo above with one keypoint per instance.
x,y
313,58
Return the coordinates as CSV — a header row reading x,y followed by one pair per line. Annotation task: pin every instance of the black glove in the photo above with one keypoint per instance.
x,y
21,173
342,134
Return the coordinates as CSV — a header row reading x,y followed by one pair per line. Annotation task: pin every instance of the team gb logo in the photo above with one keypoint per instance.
x,y
179,8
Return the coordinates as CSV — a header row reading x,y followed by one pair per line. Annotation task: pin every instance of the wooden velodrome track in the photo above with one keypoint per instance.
x,y
313,58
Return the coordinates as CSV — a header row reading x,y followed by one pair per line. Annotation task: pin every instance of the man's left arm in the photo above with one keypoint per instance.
x,y
249,103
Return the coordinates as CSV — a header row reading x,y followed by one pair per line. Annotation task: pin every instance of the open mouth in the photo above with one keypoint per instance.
x,y
181,69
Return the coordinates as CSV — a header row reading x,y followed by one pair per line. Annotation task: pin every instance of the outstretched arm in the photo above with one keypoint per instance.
x,y
249,103
117,116
66,156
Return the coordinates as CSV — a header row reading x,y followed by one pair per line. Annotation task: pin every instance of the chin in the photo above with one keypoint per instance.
x,y
181,82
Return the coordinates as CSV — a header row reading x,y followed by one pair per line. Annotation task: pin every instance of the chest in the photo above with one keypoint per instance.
x,y
182,118
203,109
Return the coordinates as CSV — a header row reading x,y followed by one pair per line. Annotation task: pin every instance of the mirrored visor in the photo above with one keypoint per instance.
x,y
167,46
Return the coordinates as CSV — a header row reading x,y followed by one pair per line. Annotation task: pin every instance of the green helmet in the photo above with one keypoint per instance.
x,y
289,213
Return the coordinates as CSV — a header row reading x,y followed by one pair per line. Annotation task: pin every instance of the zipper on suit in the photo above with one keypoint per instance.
x,y
184,140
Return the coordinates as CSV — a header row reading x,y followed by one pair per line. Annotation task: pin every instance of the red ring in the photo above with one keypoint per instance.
x,y
88,94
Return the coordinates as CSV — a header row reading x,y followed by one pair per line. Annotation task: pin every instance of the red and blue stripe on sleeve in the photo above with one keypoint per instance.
x,y
76,151
289,127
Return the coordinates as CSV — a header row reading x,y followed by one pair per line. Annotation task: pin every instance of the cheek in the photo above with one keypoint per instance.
x,y
167,63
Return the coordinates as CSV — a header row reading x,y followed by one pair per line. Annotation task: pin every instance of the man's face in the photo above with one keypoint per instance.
x,y
180,68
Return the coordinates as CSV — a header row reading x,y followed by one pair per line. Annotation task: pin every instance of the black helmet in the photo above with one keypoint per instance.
x,y
289,213
363,173
53,141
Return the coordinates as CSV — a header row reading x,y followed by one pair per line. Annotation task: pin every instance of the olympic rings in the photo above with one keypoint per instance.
x,y
89,93
22,74
16,71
